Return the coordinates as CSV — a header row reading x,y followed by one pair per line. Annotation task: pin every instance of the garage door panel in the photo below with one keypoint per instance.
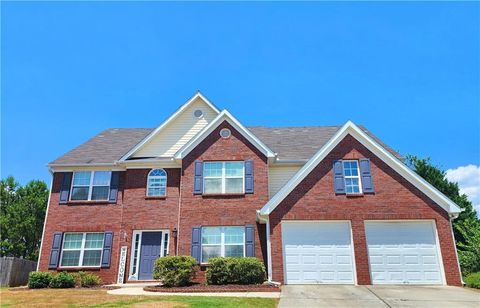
x,y
403,252
317,252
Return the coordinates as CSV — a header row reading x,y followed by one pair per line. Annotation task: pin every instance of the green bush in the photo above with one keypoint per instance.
x,y
235,271
473,280
175,271
62,280
89,279
38,280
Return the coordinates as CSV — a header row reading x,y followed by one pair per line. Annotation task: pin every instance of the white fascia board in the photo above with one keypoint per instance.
x,y
351,129
207,130
165,123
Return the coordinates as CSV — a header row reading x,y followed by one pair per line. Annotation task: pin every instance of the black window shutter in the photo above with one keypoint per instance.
x,y
198,180
107,249
365,172
55,251
249,241
196,243
249,176
338,178
66,185
114,183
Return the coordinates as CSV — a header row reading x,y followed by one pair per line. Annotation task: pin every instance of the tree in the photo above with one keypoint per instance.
x,y
466,226
22,212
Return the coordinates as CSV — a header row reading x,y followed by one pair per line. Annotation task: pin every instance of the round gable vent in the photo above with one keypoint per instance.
x,y
225,133
198,113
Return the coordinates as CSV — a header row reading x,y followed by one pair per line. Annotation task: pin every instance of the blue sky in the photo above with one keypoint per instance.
x,y
408,71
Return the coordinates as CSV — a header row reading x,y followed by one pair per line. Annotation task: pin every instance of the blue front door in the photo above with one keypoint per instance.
x,y
149,252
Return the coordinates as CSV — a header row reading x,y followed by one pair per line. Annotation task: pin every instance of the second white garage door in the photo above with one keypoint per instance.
x,y
403,253
317,252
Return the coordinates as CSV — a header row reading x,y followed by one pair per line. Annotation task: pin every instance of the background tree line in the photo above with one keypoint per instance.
x,y
22,212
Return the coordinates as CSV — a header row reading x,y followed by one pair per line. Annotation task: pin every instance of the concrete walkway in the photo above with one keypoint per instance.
x,y
136,290
377,296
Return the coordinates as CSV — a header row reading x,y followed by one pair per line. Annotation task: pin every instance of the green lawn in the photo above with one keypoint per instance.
x,y
100,298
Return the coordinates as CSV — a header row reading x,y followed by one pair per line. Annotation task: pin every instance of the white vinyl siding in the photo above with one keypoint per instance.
x,y
172,137
278,176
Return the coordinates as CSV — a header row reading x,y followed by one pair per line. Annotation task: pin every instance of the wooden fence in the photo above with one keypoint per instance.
x,y
14,271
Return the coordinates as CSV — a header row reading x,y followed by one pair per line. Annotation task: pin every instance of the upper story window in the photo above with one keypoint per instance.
x,y
351,174
223,177
82,249
157,183
91,185
222,242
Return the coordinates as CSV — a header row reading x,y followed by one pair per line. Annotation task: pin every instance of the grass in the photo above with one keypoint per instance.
x,y
100,298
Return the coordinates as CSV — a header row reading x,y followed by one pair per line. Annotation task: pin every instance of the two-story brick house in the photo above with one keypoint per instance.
x,y
315,204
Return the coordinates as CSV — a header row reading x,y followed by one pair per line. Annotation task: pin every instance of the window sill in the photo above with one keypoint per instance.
x,y
155,197
79,268
89,202
354,195
224,195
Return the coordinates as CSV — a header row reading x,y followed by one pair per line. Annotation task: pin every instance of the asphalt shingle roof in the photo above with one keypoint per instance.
x,y
290,143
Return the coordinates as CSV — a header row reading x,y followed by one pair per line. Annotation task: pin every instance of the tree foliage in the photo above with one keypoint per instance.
x,y
466,226
22,212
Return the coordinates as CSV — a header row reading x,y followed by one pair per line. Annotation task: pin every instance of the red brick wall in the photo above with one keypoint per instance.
x,y
133,211
197,210
394,198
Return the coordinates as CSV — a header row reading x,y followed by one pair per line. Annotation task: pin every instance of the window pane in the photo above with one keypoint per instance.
x,y
100,192
157,182
234,251
234,235
70,258
210,252
91,257
158,172
154,192
212,186
80,193
211,235
72,241
212,169
102,178
234,185
81,178
234,169
94,240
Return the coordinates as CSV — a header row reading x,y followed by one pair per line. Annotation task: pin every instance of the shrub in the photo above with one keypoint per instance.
x,y
89,279
62,280
473,280
175,271
235,271
38,280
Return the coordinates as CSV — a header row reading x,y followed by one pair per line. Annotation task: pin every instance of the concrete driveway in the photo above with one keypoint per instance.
x,y
377,296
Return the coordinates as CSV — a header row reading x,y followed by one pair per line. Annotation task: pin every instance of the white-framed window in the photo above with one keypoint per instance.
x,y
90,185
351,174
157,183
222,242
227,177
82,249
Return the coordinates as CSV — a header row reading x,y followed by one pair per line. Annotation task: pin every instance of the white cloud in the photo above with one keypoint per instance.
x,y
468,178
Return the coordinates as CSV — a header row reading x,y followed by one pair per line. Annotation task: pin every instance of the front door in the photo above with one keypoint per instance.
x,y
149,252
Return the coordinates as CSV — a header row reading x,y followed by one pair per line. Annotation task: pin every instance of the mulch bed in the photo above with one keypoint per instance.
x,y
214,288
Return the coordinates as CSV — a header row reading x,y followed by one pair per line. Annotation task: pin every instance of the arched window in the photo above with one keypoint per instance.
x,y
157,183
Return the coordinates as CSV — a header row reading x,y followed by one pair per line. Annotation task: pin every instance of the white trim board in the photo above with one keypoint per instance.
x,y
207,130
168,121
353,130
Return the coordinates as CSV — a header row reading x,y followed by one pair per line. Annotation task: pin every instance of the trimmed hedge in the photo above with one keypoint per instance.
x,y
228,270
39,280
175,271
62,280
473,280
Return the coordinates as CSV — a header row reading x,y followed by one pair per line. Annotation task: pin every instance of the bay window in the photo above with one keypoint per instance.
x,y
223,177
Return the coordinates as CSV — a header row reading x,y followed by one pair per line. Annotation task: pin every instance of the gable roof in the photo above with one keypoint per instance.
x,y
168,121
207,130
351,129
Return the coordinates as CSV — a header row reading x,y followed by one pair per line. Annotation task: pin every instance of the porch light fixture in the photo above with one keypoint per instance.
x,y
174,232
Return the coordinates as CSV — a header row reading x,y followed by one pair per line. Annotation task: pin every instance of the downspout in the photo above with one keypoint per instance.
x,y
177,239
45,220
266,221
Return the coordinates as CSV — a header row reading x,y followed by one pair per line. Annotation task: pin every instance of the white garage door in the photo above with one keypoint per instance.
x,y
317,252
403,253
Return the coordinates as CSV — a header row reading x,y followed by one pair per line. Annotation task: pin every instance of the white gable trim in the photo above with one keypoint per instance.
x,y
223,116
351,129
168,121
